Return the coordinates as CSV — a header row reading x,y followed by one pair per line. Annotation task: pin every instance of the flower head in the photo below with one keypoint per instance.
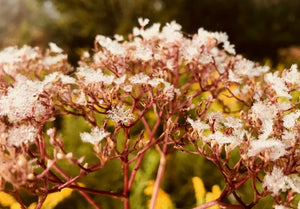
x,y
276,148
120,114
21,134
95,136
54,48
275,181
21,99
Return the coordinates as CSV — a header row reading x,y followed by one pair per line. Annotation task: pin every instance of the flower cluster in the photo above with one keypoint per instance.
x,y
182,90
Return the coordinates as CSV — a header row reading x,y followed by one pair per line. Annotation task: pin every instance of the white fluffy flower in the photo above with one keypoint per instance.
x,y
220,138
54,48
63,78
229,47
292,75
275,181
143,53
234,77
289,120
288,137
23,134
120,80
21,99
171,32
266,129
269,112
127,88
93,76
284,106
294,182
169,90
12,55
216,118
118,37
81,100
246,67
198,125
189,51
277,84
143,22
52,60
279,207
113,47
120,114
154,82
232,122
275,147
95,136
150,32
140,78
86,54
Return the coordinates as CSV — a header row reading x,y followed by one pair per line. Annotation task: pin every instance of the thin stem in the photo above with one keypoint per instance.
x,y
125,166
239,199
126,189
73,181
98,192
206,205
20,200
160,172
90,200
41,200
215,202
135,169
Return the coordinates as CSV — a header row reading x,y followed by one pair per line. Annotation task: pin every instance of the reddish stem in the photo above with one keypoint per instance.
x,y
20,200
98,192
90,200
41,200
125,165
126,188
215,202
160,172
135,169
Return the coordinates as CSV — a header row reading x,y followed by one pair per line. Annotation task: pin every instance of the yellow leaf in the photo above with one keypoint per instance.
x,y
163,199
215,194
15,205
216,191
6,199
199,190
201,195
32,205
53,199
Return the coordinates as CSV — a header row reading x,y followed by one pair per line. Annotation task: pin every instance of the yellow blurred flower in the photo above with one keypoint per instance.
x,y
51,201
202,196
163,199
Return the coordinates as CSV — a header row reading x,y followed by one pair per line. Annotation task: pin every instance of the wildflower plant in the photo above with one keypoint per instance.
x,y
158,89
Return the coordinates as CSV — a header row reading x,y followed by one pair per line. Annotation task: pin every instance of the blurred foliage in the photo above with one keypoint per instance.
x,y
258,28
177,187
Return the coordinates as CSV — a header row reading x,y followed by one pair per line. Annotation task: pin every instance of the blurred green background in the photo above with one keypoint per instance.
x,y
260,29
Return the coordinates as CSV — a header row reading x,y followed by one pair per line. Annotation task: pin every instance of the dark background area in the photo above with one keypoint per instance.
x,y
259,29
